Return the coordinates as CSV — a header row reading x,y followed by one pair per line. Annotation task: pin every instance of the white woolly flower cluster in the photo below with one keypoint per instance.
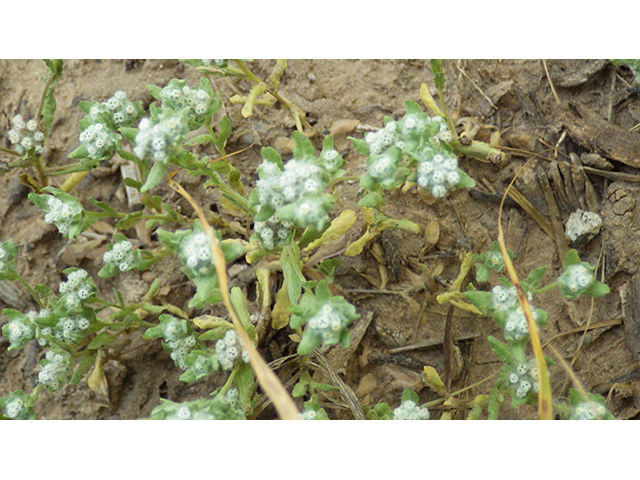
x,y
504,299
98,139
196,253
177,98
515,326
273,232
15,407
409,410
309,414
61,213
327,324
70,329
203,411
155,140
389,135
180,340
588,411
230,350
576,279
121,256
19,331
278,187
300,183
331,160
438,174
56,369
76,289
25,135
524,379
121,109
437,170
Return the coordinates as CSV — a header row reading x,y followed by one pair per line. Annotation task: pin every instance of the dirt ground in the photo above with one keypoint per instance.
x,y
513,97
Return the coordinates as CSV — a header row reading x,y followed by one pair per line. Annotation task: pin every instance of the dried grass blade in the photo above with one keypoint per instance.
x,y
268,380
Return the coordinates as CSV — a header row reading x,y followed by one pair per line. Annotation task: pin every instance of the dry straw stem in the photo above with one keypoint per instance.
x,y
545,411
268,380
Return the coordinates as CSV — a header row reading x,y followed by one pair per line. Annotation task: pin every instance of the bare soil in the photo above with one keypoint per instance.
x,y
513,97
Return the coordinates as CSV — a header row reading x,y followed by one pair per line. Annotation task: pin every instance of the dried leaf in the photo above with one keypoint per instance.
x,y
281,314
97,381
431,234
343,126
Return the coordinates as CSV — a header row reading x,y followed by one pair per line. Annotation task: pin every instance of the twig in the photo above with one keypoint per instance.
x,y
553,88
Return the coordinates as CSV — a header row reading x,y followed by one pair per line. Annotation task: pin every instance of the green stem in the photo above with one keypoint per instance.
x,y
229,382
9,151
31,291
546,288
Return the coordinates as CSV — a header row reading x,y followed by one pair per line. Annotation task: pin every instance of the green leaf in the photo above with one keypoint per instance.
x,y
360,145
156,174
299,390
438,76
245,383
304,148
465,180
240,305
571,258
482,300
290,260
371,200
501,350
102,339
598,289
154,90
532,282
412,107
225,130
482,273
85,365
271,154
409,395
54,72
129,221
104,207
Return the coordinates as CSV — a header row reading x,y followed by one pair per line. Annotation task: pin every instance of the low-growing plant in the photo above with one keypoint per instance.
x,y
290,212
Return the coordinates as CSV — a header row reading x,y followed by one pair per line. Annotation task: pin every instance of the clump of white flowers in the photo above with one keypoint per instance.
x,y
98,140
273,232
178,96
121,256
56,369
576,279
156,138
20,328
17,406
179,338
76,290
25,136
61,213
326,318
523,379
222,407
63,210
588,411
230,350
409,410
414,148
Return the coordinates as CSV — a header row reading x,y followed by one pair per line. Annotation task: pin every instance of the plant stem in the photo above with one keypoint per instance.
x,y
31,291
229,382
546,287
